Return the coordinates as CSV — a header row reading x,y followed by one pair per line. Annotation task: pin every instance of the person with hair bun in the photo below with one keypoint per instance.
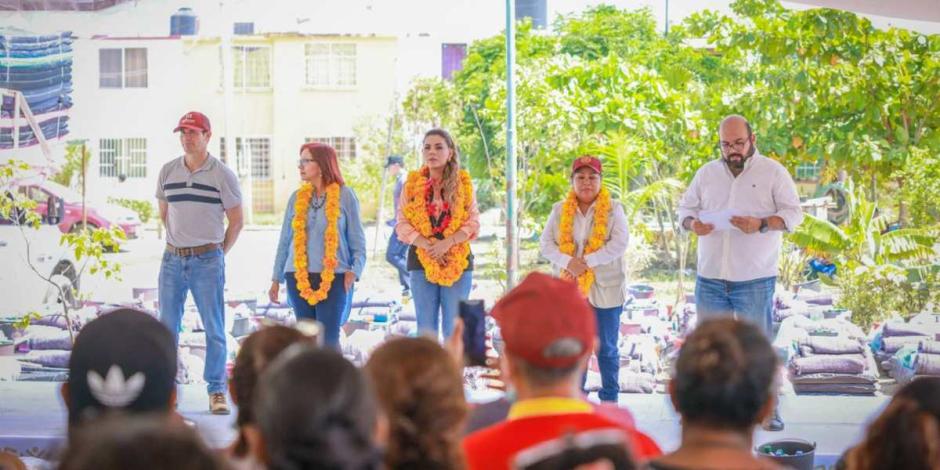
x,y
321,252
314,410
723,387
420,389
906,434
254,357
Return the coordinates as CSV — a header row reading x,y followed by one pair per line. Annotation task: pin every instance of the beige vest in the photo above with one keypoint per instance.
x,y
610,280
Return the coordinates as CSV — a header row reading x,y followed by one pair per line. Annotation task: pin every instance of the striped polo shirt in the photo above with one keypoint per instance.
x,y
197,201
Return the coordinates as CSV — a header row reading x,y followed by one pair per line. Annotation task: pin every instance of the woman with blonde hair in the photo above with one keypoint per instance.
x,y
438,218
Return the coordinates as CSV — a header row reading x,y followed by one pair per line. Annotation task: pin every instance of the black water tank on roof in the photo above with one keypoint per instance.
x,y
184,22
535,9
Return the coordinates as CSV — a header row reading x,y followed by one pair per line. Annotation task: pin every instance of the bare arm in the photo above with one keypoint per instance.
x,y
235,224
164,207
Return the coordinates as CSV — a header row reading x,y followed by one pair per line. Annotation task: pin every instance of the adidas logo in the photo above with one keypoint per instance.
x,y
114,391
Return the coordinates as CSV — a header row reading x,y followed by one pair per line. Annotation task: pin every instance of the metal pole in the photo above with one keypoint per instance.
x,y
667,18
512,242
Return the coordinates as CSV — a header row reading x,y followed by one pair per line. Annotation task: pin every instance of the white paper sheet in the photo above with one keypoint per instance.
x,y
720,219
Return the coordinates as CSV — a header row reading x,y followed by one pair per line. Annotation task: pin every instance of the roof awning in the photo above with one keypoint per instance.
x,y
920,10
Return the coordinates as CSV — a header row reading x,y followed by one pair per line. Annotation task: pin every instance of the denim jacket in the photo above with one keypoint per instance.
x,y
351,252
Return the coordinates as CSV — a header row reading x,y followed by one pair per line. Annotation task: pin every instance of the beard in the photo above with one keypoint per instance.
x,y
737,160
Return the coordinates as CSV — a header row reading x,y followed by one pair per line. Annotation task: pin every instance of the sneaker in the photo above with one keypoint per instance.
x,y
218,405
775,423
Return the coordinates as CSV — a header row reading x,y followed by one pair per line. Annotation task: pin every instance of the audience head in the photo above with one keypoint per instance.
x,y
420,389
124,360
10,461
256,353
313,409
907,434
124,441
548,329
725,376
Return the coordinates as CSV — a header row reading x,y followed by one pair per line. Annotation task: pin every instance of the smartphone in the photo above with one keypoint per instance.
x,y
473,314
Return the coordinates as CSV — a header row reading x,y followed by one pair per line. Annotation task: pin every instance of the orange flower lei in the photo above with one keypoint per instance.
x,y
455,261
330,242
594,242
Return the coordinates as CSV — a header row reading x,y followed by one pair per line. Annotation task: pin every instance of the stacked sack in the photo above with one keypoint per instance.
x,y
909,350
827,356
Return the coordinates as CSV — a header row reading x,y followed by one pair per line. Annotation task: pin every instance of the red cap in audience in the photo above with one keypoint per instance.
x,y
546,321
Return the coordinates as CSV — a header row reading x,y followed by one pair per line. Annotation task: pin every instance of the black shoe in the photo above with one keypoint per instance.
x,y
775,423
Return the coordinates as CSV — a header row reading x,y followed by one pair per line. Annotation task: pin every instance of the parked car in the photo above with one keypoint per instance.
x,y
21,289
99,215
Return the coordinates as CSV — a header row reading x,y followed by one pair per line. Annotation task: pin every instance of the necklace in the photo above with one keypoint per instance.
x,y
317,202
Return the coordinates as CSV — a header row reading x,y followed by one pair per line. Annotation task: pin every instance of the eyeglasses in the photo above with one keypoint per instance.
x,y
737,145
304,161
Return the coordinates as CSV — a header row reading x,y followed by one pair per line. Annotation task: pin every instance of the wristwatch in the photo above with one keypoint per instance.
x,y
763,226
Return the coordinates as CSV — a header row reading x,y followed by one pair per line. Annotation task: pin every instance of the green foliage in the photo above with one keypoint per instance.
x,y
92,244
875,293
921,178
23,322
143,208
73,164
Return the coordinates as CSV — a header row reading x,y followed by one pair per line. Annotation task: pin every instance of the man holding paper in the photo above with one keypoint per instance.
x,y
739,205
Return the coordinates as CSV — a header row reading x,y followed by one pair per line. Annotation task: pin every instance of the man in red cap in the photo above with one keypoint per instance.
x,y
585,238
549,332
197,194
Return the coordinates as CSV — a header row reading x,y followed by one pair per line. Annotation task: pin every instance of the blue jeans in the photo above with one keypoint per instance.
x,y
608,352
397,255
751,301
329,311
436,305
203,276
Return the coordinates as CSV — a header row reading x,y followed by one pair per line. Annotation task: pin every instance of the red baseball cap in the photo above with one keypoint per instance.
x,y
546,321
194,120
589,161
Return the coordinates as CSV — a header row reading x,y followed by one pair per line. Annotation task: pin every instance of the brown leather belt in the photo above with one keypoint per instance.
x,y
192,250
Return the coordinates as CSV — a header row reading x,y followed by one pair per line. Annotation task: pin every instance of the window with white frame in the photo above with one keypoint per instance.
x,y
122,158
251,67
122,67
345,146
253,151
331,64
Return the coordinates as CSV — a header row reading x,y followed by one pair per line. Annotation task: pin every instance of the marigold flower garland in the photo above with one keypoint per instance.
x,y
455,262
330,242
594,242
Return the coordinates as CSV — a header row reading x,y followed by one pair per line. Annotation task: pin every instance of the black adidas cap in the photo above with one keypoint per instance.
x,y
124,360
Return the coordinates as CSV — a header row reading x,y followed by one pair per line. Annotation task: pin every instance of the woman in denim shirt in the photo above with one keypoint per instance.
x,y
319,167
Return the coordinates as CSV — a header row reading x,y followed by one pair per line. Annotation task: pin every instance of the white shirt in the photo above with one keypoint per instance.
x,y
583,222
764,188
